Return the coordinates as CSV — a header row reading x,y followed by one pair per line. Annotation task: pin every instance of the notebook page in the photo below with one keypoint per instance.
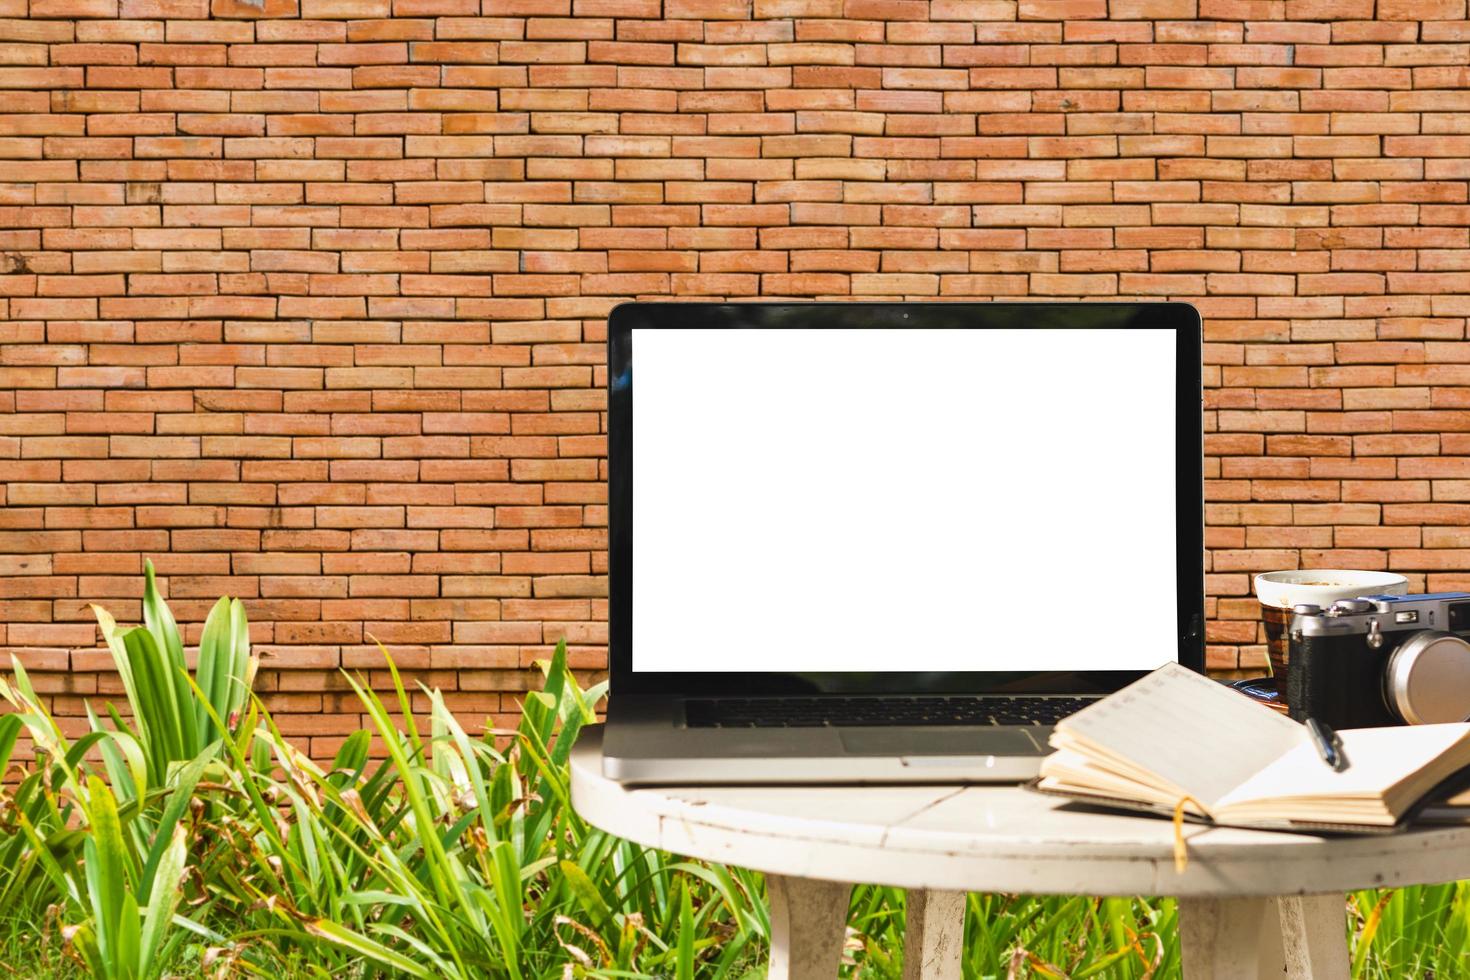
x,y
1379,759
1072,772
1194,734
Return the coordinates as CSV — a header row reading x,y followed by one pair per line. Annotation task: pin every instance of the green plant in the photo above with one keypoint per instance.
x,y
1421,932
452,856
193,838
176,717
132,908
114,849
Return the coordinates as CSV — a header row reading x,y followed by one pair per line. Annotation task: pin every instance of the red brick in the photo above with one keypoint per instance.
x,y
333,284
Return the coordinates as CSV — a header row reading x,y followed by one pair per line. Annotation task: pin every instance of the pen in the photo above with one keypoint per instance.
x,y
1329,744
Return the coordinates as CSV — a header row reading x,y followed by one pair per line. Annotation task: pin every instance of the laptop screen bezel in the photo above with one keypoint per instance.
x,y
1181,318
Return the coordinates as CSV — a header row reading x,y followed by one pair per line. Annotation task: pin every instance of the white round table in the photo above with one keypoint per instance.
x,y
1251,903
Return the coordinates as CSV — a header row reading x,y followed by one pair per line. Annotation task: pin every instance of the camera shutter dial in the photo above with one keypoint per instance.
x,y
1427,679
1352,607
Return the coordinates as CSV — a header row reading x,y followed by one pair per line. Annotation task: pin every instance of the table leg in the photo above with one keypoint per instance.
x,y
1298,937
934,935
1315,936
808,926
1230,938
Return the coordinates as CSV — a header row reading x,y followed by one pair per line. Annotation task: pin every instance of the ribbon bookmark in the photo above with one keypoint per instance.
x,y
1181,853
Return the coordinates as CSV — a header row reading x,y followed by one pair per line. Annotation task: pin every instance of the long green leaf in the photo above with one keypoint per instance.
x,y
213,672
242,671
586,893
158,698
10,728
159,621
685,961
169,822
126,940
361,945
106,869
164,898
108,626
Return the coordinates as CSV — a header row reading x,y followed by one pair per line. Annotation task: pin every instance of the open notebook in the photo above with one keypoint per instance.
x,y
1175,735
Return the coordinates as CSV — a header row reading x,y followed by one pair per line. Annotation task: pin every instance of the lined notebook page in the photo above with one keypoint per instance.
x,y
1188,730
1378,760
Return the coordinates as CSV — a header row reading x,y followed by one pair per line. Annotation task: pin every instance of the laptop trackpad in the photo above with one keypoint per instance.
x,y
939,741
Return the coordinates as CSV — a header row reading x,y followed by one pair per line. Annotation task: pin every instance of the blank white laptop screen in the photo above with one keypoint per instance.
x,y
903,500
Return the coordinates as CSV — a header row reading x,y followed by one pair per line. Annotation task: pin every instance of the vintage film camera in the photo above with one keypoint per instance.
x,y
1381,660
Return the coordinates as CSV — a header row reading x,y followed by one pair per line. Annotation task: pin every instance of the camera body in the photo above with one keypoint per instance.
x,y
1381,660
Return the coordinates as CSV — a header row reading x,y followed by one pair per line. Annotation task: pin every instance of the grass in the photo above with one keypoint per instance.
x,y
187,837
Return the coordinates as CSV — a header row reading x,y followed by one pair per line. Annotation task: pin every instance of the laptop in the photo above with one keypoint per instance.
x,y
892,542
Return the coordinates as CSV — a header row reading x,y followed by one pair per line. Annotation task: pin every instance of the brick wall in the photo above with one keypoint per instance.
x,y
305,301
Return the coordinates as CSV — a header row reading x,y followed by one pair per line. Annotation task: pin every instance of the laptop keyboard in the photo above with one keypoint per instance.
x,y
875,712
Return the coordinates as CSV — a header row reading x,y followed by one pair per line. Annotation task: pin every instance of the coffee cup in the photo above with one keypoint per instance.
x,y
1278,592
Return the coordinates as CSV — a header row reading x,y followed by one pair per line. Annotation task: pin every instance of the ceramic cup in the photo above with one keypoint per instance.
x,y
1279,591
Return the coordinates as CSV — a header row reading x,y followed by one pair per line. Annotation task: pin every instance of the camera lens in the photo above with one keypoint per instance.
x,y
1459,616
